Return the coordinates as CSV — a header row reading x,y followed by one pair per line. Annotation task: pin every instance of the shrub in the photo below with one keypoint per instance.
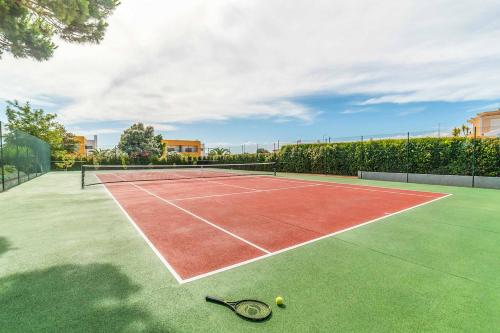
x,y
422,155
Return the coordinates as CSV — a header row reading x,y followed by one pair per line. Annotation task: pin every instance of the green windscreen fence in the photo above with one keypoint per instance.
x,y
22,157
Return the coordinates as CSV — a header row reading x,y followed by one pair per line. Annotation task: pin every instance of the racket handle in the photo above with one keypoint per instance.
x,y
214,300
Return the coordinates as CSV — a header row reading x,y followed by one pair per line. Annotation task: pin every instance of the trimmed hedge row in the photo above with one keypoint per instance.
x,y
453,156
171,159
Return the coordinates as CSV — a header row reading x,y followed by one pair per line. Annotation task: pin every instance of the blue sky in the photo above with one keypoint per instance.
x,y
335,116
234,72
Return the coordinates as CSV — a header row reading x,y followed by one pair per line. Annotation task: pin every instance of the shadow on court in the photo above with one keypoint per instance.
x,y
72,298
4,245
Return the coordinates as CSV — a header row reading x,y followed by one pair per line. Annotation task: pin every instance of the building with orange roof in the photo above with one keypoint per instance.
x,y
193,148
487,124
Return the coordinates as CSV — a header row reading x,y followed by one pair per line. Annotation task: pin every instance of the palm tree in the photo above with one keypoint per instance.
x,y
465,130
455,132
219,151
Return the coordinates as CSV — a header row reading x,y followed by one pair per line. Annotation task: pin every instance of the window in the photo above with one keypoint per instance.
x,y
190,149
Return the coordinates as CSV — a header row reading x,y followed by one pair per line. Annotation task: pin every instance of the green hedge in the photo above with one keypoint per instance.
x,y
243,158
451,156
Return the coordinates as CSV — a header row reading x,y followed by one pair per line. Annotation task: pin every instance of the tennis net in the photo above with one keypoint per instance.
x,y
102,174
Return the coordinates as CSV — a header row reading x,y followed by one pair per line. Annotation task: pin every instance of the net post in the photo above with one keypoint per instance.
x,y
83,176
2,169
274,168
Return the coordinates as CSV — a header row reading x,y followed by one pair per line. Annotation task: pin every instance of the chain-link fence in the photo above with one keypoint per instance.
x,y
274,146
462,152
22,157
244,148
465,154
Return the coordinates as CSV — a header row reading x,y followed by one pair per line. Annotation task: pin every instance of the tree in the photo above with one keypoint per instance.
x,y
69,144
140,142
219,151
465,130
39,124
65,161
455,132
108,156
262,151
27,27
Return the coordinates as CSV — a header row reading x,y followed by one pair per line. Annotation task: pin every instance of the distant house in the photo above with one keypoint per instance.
x,y
85,146
192,148
487,123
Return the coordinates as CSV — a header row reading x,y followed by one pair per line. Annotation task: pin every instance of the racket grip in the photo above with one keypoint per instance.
x,y
214,300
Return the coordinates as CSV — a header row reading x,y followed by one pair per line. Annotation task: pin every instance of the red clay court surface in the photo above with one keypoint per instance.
x,y
199,227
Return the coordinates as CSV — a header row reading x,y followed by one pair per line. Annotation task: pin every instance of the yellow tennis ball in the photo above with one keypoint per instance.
x,y
279,300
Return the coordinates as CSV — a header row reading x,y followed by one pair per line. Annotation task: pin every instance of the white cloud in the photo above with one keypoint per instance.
x,y
360,110
80,131
97,131
487,107
410,111
183,61
163,127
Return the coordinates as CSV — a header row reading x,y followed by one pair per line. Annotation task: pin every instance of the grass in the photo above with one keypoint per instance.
x,y
70,262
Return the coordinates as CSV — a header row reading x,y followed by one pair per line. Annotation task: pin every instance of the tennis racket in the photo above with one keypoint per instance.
x,y
247,308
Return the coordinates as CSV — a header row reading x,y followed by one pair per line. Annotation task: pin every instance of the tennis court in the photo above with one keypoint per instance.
x,y
200,221
71,260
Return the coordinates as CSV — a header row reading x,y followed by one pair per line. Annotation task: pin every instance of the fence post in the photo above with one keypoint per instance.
x,y
407,157
474,158
17,162
362,164
1,159
83,177
28,162
36,163
326,159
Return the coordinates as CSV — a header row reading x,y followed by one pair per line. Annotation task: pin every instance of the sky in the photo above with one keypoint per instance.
x,y
251,71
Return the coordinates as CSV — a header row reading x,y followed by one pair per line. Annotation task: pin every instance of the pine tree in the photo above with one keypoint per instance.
x,y
27,27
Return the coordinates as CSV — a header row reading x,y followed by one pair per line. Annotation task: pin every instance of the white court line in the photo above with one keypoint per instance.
x,y
306,243
216,182
146,239
360,187
385,191
202,219
333,184
247,192
268,254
